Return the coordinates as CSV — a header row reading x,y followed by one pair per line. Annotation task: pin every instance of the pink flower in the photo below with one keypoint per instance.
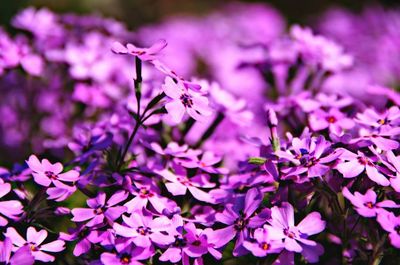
x,y
366,204
45,173
184,100
353,165
100,210
144,54
11,209
34,241
281,227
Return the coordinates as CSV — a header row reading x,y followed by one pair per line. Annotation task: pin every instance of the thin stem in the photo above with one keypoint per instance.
x,y
131,137
138,83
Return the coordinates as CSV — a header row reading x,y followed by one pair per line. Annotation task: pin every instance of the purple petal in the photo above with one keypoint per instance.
x,y
311,224
82,214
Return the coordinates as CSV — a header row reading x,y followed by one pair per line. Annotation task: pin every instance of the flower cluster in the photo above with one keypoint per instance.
x,y
263,158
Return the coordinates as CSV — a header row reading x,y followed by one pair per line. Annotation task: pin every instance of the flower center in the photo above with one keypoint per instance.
x,y
288,233
186,100
196,243
50,175
143,230
98,211
397,229
381,121
364,161
241,223
265,246
331,119
144,193
125,259
180,242
33,247
369,205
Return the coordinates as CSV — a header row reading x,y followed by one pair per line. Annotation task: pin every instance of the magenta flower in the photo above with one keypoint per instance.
x,y
178,184
145,193
354,164
184,100
100,210
205,163
390,223
34,241
281,227
45,173
371,118
310,155
11,209
126,256
145,54
22,256
334,119
240,219
194,244
262,244
143,230
85,238
366,204
395,167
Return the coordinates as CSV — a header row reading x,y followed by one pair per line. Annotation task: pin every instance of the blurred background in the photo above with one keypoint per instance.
x,y
138,12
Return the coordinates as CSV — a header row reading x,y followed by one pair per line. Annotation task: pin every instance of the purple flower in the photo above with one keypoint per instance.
x,y
100,210
194,244
125,256
178,184
395,167
145,54
281,227
334,119
11,209
309,155
184,100
390,223
84,236
34,240
353,165
144,193
366,204
45,173
143,230
240,219
262,244
22,256
208,159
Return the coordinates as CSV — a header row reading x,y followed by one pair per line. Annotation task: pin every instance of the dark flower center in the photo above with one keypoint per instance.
x,y
144,193
50,175
125,259
369,205
331,119
364,161
186,100
180,242
33,247
143,230
241,223
265,246
98,210
196,243
382,121
289,233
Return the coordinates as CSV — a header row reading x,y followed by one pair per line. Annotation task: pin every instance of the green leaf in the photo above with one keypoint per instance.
x,y
257,160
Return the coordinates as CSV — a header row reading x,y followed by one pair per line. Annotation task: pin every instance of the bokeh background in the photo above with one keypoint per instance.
x,y
138,12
